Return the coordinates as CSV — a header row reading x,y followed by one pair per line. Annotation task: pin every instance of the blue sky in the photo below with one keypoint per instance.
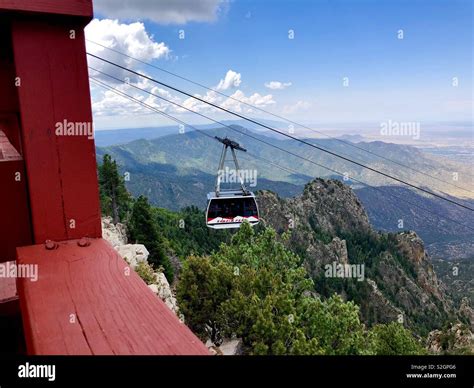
x,y
389,78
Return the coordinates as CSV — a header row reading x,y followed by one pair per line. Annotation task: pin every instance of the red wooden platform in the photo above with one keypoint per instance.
x,y
85,303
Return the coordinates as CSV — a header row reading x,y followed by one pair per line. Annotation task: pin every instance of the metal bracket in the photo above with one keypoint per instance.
x,y
233,146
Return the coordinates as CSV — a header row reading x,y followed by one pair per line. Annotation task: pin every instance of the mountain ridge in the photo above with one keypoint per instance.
x,y
328,223
178,170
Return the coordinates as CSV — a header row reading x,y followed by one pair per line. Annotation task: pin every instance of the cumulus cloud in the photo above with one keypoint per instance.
x,y
162,11
277,85
131,39
231,79
111,104
238,98
235,102
107,103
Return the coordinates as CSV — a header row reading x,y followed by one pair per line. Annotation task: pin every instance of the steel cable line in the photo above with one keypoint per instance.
x,y
131,98
125,95
281,133
440,217
281,117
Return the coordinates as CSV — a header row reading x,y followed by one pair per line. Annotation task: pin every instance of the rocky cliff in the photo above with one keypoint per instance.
x,y
329,228
455,339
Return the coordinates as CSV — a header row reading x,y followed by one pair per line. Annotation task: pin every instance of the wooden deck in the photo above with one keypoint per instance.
x,y
86,301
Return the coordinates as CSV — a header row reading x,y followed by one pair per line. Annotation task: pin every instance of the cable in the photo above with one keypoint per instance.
x,y
287,135
280,117
440,217
125,95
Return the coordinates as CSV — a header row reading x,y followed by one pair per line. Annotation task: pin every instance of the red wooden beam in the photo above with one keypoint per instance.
x,y
60,7
61,169
87,301
8,97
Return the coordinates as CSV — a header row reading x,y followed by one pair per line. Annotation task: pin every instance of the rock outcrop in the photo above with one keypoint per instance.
x,y
384,310
133,254
116,235
413,248
457,339
467,312
400,283
324,205
228,347
162,288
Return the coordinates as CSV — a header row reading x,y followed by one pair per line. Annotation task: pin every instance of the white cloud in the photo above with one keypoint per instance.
x,y
231,79
107,103
277,85
235,102
162,11
297,107
131,39
111,104
238,98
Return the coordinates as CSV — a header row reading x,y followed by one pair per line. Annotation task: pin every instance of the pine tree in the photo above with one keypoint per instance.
x,y
114,197
255,288
143,229
393,339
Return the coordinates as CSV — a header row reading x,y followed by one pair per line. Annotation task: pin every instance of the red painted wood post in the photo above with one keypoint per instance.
x,y
50,63
15,225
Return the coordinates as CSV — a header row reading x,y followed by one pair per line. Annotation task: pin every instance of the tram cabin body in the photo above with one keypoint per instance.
x,y
230,209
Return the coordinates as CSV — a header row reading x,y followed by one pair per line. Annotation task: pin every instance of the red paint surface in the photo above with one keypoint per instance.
x,y
62,7
114,313
61,170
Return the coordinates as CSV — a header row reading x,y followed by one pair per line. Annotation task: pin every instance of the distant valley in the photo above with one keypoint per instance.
x,y
177,170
